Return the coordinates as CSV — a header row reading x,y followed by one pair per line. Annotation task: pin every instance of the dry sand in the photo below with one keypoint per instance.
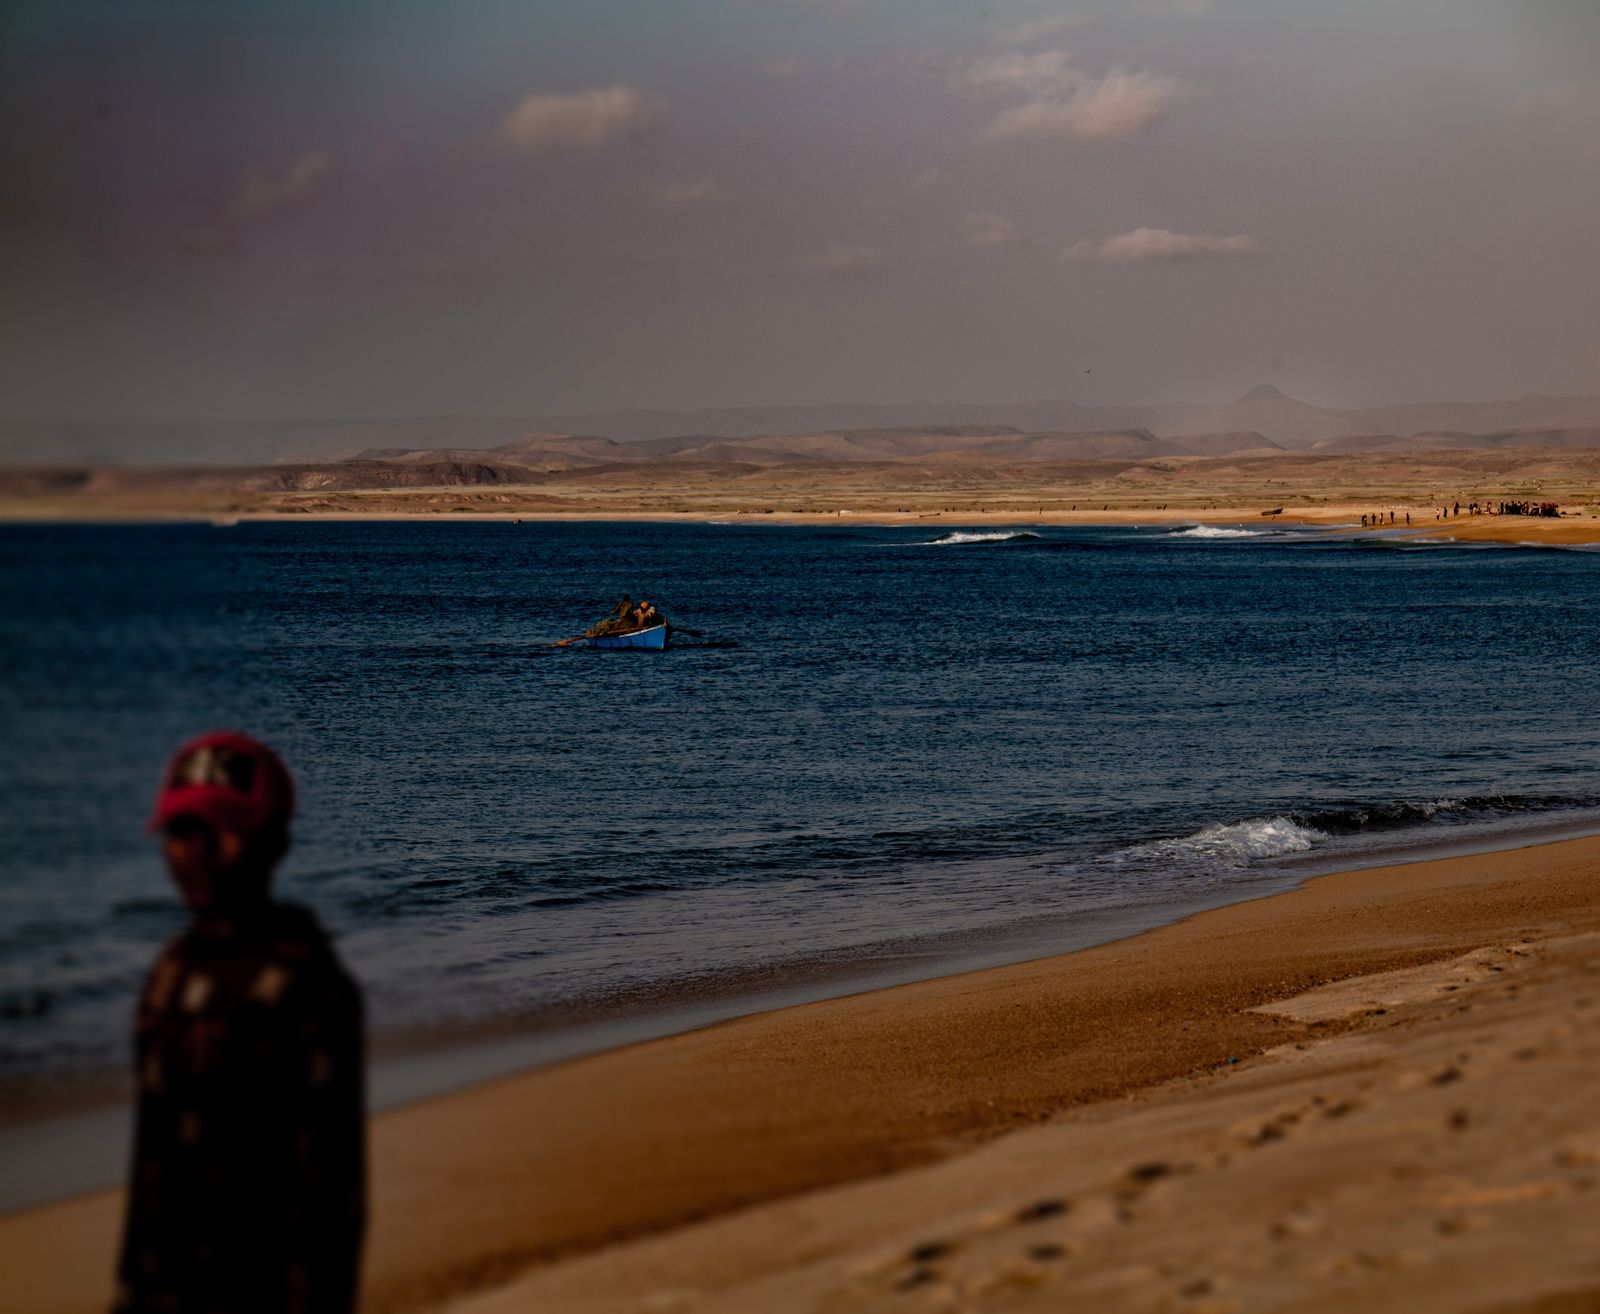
x,y
1144,1125
958,489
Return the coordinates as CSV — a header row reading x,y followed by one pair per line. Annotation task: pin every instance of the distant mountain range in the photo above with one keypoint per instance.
x,y
934,445
1263,419
1263,410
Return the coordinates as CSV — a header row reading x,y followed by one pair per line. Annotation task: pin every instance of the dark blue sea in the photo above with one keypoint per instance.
x,y
887,753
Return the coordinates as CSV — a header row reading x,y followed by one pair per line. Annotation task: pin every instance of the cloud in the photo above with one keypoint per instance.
x,y
987,231
1061,102
690,194
1119,105
270,187
551,120
787,67
1188,8
1160,244
841,258
1025,34
1043,73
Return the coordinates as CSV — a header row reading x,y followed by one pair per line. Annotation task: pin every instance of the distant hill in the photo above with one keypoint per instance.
x,y
1265,410
243,442
945,445
843,432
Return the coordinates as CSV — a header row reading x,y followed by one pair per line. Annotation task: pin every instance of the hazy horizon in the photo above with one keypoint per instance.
x,y
357,211
776,405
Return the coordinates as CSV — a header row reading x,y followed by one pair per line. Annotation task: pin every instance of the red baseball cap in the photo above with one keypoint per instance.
x,y
228,779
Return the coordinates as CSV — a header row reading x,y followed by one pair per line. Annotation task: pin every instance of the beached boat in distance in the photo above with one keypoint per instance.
x,y
655,637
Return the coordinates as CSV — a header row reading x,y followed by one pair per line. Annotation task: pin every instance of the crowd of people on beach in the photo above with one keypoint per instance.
x,y
1452,510
1550,509
1503,509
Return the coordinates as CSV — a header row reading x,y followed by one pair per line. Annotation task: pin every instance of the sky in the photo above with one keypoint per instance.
x,y
212,209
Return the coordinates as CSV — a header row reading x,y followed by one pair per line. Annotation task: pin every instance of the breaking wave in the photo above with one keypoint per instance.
x,y
1223,847
1228,845
1216,531
980,536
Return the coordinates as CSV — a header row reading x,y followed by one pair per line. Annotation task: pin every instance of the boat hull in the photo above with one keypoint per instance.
x,y
653,638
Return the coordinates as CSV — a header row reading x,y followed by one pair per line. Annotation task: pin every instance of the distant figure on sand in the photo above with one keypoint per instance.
x,y
248,1190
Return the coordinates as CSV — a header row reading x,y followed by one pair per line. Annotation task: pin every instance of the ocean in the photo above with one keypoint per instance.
x,y
887,753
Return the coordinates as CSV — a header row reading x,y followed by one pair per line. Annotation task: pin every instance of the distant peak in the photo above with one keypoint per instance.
x,y
1264,392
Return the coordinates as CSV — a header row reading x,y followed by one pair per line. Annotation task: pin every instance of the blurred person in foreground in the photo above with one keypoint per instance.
x,y
248,1190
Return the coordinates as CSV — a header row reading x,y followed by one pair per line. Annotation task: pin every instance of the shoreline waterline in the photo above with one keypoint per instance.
x,y
1576,532
53,1156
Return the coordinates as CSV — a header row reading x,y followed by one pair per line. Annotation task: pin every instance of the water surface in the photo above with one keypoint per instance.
x,y
890,752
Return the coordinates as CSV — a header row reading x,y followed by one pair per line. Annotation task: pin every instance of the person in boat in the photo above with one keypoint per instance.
x,y
248,1187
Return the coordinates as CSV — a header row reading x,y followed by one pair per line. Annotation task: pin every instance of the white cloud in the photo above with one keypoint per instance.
x,y
987,231
1059,101
1025,34
269,187
551,120
690,194
1160,244
841,258
1121,104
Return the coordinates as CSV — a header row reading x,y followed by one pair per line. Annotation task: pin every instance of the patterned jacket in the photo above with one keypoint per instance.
x,y
248,1191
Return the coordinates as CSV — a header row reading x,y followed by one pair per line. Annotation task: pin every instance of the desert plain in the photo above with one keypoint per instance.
x,y
962,483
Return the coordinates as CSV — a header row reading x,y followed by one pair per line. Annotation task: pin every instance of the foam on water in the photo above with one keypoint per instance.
x,y
961,536
1216,531
1228,845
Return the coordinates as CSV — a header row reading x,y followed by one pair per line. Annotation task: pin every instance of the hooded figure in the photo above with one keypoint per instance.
x,y
248,1190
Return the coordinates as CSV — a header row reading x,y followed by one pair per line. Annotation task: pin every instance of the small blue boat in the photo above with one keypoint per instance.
x,y
655,637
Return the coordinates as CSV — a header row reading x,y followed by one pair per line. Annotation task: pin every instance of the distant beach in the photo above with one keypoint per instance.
x,y
966,482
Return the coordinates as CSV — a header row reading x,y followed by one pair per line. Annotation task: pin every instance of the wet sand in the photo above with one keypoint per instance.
x,y
1133,1126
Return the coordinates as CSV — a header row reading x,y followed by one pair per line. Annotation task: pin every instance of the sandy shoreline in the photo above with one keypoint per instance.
x,y
1576,529
537,1171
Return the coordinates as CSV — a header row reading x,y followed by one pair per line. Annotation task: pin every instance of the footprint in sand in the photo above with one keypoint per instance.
x,y
1040,1210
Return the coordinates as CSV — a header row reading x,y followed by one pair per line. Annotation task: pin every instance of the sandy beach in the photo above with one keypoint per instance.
x,y
1374,1091
1578,529
958,490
